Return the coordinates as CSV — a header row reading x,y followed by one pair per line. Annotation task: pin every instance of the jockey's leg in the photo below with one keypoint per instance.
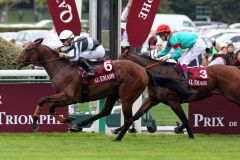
x,y
191,54
86,66
185,74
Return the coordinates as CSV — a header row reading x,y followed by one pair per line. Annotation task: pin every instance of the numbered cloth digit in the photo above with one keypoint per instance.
x,y
203,74
108,66
66,15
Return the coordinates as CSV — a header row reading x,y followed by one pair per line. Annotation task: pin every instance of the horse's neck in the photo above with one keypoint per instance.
x,y
165,70
139,60
51,62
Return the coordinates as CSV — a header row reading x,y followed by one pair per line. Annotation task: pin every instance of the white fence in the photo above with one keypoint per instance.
x,y
8,73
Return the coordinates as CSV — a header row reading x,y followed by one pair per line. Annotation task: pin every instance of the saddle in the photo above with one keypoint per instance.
x,y
197,76
104,72
103,69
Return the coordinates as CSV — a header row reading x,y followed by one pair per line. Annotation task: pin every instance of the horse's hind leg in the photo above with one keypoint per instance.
x,y
56,114
109,103
147,104
177,108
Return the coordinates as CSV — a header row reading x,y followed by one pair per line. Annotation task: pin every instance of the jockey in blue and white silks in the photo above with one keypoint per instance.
x,y
81,49
190,41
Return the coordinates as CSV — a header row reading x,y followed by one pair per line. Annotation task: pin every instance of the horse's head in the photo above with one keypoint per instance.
x,y
28,55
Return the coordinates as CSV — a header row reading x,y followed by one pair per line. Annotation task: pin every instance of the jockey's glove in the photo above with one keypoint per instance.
x,y
165,58
63,55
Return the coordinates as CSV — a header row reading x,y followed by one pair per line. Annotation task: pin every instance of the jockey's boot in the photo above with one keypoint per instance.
x,y
185,78
86,66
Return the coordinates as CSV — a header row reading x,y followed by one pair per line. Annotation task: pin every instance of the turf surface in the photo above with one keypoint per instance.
x,y
92,146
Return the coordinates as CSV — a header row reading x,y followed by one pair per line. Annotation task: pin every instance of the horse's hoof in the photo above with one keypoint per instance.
x,y
117,139
132,130
76,128
70,119
35,127
178,130
191,136
115,131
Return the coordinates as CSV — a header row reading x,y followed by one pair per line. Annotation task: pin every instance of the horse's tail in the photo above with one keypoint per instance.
x,y
157,80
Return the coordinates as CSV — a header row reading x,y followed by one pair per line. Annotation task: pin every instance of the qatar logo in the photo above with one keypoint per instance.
x,y
66,15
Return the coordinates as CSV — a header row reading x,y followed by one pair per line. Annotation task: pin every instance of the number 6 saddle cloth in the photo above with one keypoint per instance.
x,y
104,73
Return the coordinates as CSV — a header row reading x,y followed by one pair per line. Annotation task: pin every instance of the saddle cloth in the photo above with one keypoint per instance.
x,y
198,76
104,73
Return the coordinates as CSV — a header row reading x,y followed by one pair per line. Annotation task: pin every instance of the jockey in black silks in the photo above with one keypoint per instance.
x,y
80,49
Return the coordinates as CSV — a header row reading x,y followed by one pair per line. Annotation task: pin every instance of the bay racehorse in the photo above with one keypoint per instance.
x,y
131,80
222,80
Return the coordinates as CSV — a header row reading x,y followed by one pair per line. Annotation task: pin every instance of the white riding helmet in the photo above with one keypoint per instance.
x,y
65,34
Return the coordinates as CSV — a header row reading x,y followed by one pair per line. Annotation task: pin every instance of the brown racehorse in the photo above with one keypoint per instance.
x,y
131,80
222,80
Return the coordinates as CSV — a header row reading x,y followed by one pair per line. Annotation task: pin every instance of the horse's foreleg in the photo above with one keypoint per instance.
x,y
177,108
147,104
109,103
48,99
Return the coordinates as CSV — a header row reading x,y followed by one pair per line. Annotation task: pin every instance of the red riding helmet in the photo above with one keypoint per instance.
x,y
163,28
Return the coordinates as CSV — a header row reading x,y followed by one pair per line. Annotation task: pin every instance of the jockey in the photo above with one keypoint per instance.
x,y
180,40
81,49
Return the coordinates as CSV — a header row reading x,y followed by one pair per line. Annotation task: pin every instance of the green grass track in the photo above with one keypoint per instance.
x,y
93,146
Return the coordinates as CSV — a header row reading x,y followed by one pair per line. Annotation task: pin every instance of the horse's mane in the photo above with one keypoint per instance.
x,y
54,52
57,55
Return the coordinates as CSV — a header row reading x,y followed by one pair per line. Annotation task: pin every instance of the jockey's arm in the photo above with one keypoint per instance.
x,y
62,55
64,52
176,54
125,13
67,49
174,42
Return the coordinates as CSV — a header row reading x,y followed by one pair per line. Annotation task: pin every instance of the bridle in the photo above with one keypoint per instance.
x,y
26,61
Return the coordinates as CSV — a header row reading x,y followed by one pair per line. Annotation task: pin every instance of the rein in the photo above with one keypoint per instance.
x,y
153,65
37,62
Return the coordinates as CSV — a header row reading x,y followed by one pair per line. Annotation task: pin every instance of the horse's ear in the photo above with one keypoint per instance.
x,y
38,41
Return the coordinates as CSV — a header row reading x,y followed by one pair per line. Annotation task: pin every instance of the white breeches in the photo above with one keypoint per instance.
x,y
98,53
197,49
